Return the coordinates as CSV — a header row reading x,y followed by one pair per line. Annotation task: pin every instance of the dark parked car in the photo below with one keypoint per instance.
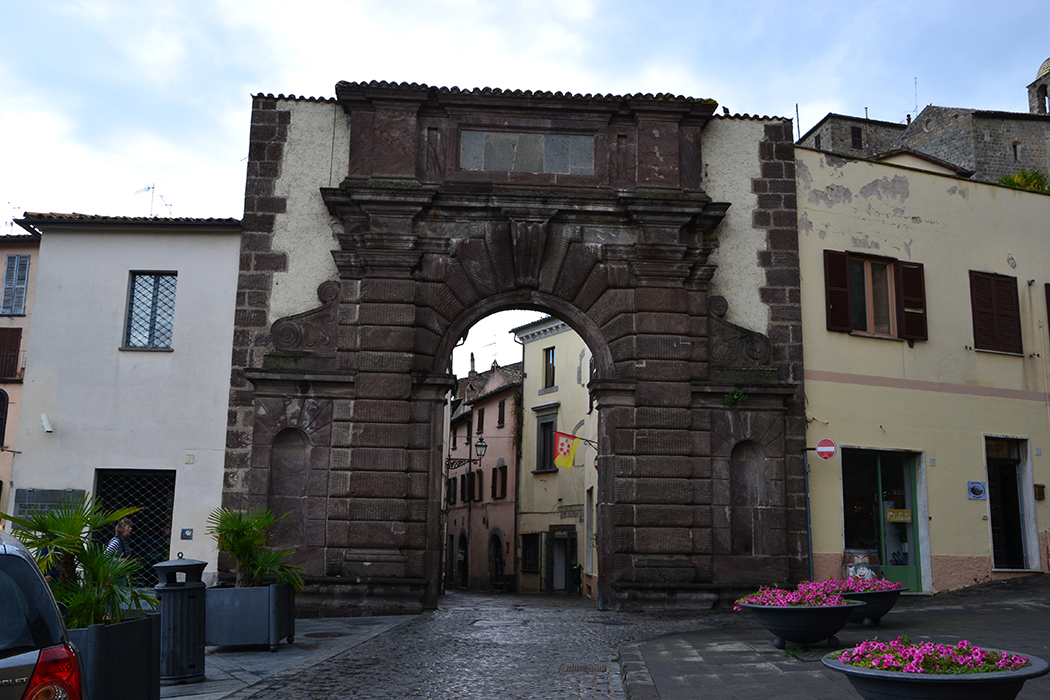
x,y
37,662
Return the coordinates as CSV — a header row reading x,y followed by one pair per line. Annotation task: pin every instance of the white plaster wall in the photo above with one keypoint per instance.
x,y
730,154
119,409
316,155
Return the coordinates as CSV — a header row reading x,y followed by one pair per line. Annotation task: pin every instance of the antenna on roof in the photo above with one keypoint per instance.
x,y
916,110
152,190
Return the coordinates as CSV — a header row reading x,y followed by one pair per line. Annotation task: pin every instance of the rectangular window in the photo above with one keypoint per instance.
x,y
10,343
996,313
548,368
464,494
499,482
530,553
479,483
545,446
16,280
856,137
455,435
875,296
151,311
481,421
816,142
452,491
501,416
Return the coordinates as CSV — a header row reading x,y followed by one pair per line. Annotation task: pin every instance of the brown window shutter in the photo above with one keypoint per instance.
x,y
480,475
1007,315
10,342
503,481
836,290
492,484
911,301
996,313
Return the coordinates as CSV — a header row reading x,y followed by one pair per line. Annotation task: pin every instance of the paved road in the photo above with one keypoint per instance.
x,y
487,647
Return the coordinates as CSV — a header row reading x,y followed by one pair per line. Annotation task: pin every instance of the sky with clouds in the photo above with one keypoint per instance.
x,y
142,108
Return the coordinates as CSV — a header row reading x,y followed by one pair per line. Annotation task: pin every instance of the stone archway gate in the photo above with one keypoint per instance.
x,y
457,204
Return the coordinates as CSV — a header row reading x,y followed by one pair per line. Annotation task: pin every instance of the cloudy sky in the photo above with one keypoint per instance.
x,y
142,108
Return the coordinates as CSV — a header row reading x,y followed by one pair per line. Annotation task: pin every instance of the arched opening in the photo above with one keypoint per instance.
x,y
520,457
289,484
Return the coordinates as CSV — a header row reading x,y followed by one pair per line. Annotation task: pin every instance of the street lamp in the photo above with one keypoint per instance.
x,y
480,448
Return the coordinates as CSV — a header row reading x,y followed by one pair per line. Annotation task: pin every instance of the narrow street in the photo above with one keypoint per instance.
x,y
488,646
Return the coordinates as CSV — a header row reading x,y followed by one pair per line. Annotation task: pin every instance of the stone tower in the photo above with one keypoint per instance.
x,y
1037,97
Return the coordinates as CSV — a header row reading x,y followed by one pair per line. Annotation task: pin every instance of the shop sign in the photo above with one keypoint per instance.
x,y
898,515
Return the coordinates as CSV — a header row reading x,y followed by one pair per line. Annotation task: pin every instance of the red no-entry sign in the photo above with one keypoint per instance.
x,y
826,448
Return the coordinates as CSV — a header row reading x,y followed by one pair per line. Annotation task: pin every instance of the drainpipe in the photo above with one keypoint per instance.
x,y
809,517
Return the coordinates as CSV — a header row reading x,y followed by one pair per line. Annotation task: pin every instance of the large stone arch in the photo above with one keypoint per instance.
x,y
617,246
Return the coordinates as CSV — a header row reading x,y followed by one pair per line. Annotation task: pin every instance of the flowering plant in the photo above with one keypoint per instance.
x,y
902,655
808,596
857,585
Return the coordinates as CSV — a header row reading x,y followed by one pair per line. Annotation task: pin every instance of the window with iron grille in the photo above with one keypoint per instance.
x,y
151,310
10,343
152,490
530,552
16,280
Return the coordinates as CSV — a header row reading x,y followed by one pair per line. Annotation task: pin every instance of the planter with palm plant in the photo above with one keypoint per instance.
x,y
260,607
119,644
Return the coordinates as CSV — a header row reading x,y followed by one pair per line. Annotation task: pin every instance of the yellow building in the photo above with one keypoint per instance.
x,y
924,308
556,505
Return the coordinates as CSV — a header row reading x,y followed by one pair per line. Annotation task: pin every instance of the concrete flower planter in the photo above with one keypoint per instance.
x,y
803,624
876,604
120,661
249,616
873,684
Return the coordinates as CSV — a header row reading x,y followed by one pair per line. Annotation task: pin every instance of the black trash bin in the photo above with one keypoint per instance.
x,y
181,594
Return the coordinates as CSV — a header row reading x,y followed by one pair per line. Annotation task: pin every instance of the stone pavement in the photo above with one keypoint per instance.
x,y
495,646
742,663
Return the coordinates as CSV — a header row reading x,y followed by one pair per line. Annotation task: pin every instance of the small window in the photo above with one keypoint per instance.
x,y
499,482
501,415
1017,147
151,311
16,280
875,296
455,434
481,421
530,552
545,446
816,142
857,137
996,313
10,347
548,368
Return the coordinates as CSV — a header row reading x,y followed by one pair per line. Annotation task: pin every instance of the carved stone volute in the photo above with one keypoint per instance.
x,y
312,331
732,345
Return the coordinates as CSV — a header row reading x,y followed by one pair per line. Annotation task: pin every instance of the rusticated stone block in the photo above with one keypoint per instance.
x,y
702,489
385,535
416,535
416,511
338,484
374,385
663,516
666,418
337,533
418,485
578,264
379,411
378,485
378,459
608,303
385,361
666,491
388,435
420,436
663,466
594,288
663,394
385,338
664,347
661,299
390,291
338,508
661,370
378,508
663,442
662,540
661,323
386,314
721,540
317,484
703,541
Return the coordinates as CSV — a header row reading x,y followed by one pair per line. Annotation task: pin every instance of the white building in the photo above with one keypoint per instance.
x,y
128,370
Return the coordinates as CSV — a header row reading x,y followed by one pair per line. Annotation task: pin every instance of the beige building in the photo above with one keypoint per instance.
x,y
924,309
556,505
16,307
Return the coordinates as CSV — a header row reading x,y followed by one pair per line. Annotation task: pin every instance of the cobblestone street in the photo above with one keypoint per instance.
x,y
489,646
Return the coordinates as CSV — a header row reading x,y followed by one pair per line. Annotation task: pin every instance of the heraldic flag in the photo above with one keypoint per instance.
x,y
565,449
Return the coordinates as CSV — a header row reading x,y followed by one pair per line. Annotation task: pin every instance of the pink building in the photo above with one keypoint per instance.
x,y
482,476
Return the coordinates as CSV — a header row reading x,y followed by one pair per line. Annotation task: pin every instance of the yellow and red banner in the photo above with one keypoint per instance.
x,y
565,449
